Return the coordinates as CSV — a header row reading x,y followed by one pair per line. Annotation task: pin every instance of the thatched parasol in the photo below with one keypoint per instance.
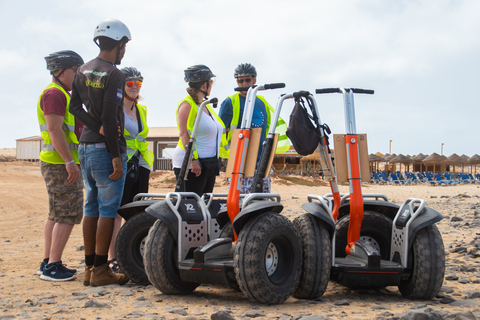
x,y
465,160
374,159
454,160
401,159
475,159
314,158
418,160
434,159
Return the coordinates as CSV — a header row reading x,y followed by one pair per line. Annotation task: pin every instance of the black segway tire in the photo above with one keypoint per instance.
x,y
267,260
376,228
427,260
160,257
317,257
130,246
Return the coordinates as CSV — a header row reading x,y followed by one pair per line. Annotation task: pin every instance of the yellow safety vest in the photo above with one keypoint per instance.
x,y
281,128
139,142
48,152
223,152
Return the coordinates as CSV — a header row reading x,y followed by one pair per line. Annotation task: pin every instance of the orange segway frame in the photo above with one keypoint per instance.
x,y
233,198
353,164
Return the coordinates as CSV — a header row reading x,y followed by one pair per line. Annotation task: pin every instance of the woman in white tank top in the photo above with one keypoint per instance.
x,y
200,80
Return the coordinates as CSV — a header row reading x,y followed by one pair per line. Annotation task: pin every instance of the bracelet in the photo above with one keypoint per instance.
x,y
69,162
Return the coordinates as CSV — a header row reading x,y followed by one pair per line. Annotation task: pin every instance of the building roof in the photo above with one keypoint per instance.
x,y
32,138
162,132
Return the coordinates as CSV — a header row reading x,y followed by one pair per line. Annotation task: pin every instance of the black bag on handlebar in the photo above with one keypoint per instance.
x,y
301,131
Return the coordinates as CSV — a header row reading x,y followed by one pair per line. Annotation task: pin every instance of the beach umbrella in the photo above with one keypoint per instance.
x,y
389,157
475,159
374,159
418,160
435,159
314,158
454,160
401,159
465,160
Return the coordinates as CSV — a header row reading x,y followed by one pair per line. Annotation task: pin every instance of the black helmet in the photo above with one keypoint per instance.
x,y
131,73
198,73
245,69
63,59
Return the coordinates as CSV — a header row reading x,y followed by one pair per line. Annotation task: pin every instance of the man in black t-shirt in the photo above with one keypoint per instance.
x,y
99,85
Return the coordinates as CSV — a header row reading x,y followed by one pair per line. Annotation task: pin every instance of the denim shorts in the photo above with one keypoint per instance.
x,y
103,195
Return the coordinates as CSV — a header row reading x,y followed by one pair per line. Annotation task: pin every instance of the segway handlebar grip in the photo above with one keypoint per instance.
x,y
244,88
366,91
274,86
214,101
328,90
300,94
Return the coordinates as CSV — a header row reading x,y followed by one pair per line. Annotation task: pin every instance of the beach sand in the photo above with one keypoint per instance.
x,y
23,209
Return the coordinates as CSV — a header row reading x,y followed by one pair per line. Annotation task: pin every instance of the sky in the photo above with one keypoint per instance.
x,y
420,56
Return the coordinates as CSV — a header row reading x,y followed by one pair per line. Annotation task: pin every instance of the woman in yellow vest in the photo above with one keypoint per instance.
x,y
139,157
210,139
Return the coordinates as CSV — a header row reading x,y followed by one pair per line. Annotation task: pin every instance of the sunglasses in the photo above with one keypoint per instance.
x,y
131,83
244,80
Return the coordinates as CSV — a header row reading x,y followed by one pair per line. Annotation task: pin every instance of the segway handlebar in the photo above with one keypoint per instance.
x,y
267,86
214,101
300,94
339,90
244,88
273,86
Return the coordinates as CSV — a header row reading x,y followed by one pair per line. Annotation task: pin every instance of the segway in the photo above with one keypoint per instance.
x,y
367,241
263,256
131,237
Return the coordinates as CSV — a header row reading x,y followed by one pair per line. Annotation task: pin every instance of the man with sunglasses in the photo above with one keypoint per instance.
x,y
59,163
99,85
231,113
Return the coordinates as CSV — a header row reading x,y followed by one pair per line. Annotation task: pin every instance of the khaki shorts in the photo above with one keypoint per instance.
x,y
65,199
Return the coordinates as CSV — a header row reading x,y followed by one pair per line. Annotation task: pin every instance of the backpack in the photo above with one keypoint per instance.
x,y
303,134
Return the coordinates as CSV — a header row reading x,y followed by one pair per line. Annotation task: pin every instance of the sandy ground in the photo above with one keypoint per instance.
x,y
23,209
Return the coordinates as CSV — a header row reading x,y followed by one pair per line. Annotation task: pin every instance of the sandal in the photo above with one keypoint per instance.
x,y
113,264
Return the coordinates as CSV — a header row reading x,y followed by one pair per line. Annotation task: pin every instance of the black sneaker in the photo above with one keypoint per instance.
x,y
56,272
43,264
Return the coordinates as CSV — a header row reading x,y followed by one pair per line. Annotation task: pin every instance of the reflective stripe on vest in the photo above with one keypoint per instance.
x,y
140,142
48,153
224,147
283,143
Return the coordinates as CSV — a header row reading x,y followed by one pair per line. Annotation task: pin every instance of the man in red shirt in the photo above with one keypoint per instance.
x,y
59,163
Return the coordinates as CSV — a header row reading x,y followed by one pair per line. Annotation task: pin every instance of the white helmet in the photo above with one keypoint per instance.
x,y
113,29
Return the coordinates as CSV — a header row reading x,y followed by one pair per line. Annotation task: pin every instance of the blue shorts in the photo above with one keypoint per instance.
x,y
103,195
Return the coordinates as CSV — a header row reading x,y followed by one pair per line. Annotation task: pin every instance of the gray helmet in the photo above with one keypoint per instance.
x,y
113,29
245,69
131,73
198,73
63,59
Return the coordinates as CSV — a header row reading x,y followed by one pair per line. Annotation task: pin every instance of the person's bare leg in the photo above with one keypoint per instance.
x,y
89,234
104,235
60,235
47,235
